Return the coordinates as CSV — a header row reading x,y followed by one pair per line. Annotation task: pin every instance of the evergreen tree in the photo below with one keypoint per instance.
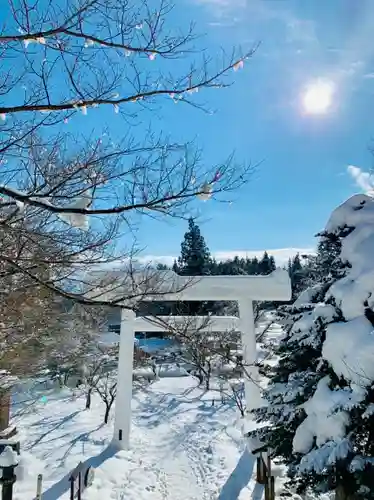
x,y
162,267
320,414
326,264
289,267
264,264
175,267
296,275
255,266
195,260
294,379
195,257
272,264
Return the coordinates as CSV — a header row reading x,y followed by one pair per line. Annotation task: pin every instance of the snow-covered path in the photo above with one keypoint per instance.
x,y
182,448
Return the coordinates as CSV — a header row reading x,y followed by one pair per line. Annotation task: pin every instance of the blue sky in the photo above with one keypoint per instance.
x,y
304,171
309,163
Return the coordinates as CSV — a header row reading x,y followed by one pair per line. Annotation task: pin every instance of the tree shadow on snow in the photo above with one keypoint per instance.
x,y
239,478
55,423
152,415
58,489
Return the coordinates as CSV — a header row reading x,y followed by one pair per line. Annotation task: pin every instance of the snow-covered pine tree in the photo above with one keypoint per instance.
x,y
294,378
320,415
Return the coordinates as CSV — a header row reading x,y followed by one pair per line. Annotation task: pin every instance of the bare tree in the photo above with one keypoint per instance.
x,y
234,392
204,349
107,390
96,366
76,194
216,353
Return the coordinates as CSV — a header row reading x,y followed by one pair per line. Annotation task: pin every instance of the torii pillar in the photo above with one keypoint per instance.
x,y
244,289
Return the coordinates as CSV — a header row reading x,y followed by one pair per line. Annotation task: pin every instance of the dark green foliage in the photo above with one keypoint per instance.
x,y
265,264
175,267
162,267
297,368
294,379
297,274
195,259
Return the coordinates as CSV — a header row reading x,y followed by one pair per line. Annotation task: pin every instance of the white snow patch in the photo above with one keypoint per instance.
x,y
325,421
324,312
8,457
307,296
349,348
77,220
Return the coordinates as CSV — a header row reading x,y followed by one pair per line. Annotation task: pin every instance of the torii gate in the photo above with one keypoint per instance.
x,y
243,289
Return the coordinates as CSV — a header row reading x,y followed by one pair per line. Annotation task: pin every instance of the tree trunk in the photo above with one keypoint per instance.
x,y
4,409
88,398
106,416
207,383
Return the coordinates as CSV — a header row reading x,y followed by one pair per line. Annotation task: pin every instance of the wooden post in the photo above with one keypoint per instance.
x,y
272,488
268,473
80,485
72,488
39,487
267,493
261,469
80,479
258,470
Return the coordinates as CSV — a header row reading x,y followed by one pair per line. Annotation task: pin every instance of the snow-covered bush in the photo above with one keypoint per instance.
x,y
320,414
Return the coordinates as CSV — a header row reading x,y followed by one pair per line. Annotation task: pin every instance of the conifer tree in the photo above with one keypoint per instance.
x,y
264,264
255,266
175,267
319,417
195,260
195,256
272,265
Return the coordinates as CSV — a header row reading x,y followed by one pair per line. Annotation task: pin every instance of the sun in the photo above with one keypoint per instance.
x,y
317,98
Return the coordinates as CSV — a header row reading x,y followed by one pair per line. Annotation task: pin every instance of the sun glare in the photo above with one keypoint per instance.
x,y
317,98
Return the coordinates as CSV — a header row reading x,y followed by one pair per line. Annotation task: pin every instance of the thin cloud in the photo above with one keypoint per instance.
x,y
364,180
281,255
297,30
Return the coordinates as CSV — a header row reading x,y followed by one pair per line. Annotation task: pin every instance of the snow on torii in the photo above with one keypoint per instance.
x,y
166,285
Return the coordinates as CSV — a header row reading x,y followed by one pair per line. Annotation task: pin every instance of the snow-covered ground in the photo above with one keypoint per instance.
x,y
182,447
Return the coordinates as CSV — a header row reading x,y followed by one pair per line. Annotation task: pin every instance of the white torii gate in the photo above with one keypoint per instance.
x,y
244,289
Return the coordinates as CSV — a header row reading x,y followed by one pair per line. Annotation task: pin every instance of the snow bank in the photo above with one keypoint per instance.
x,y
28,467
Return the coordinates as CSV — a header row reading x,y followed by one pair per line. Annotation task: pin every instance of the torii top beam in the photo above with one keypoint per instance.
x,y
166,285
